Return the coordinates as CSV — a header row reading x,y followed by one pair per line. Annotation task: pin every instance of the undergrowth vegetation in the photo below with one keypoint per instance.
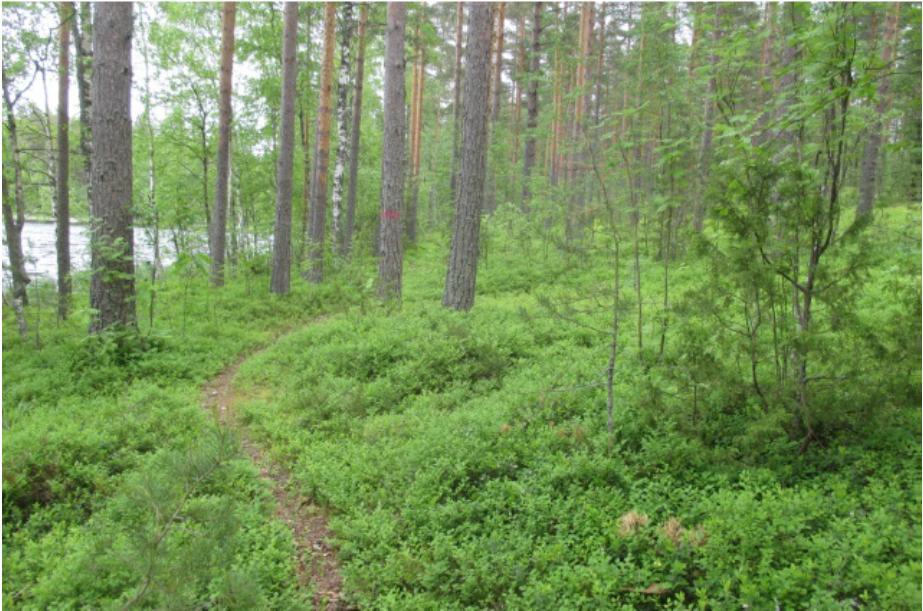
x,y
465,458
118,488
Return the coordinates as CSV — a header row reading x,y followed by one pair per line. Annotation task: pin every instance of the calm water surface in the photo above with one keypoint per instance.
x,y
41,261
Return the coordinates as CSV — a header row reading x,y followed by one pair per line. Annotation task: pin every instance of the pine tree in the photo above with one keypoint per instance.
x,y
62,211
112,288
356,133
390,263
461,275
282,238
528,158
321,158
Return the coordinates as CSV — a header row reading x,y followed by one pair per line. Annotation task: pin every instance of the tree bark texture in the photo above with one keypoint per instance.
x,y
62,211
82,30
456,125
344,90
112,288
321,159
390,262
14,214
461,276
356,133
416,133
280,282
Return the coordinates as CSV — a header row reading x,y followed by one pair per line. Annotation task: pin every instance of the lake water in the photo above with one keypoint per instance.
x,y
38,239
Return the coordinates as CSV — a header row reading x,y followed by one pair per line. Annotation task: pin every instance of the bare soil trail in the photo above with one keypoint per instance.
x,y
315,561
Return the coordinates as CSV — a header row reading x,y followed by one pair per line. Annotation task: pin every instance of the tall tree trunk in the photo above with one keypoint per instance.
x,y
575,220
601,78
344,89
282,237
872,147
82,30
219,217
498,61
14,215
554,169
321,159
528,158
62,213
456,125
416,133
112,288
356,133
305,128
390,263
461,275
499,19
517,86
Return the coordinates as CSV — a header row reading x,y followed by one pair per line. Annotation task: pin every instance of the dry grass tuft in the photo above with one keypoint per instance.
x,y
673,530
631,522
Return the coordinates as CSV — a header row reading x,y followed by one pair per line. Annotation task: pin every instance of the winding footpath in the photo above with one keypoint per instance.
x,y
316,562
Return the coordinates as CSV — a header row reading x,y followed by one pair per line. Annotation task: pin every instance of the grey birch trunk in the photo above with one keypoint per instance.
x,y
461,276
356,132
528,158
223,165
344,89
390,262
112,287
872,148
62,211
282,237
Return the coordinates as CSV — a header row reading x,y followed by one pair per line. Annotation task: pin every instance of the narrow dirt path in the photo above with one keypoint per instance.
x,y
316,561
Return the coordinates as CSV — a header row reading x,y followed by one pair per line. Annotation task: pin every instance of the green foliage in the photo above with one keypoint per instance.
x,y
465,457
112,468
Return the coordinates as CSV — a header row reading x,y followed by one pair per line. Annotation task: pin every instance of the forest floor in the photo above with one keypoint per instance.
x,y
363,455
315,556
